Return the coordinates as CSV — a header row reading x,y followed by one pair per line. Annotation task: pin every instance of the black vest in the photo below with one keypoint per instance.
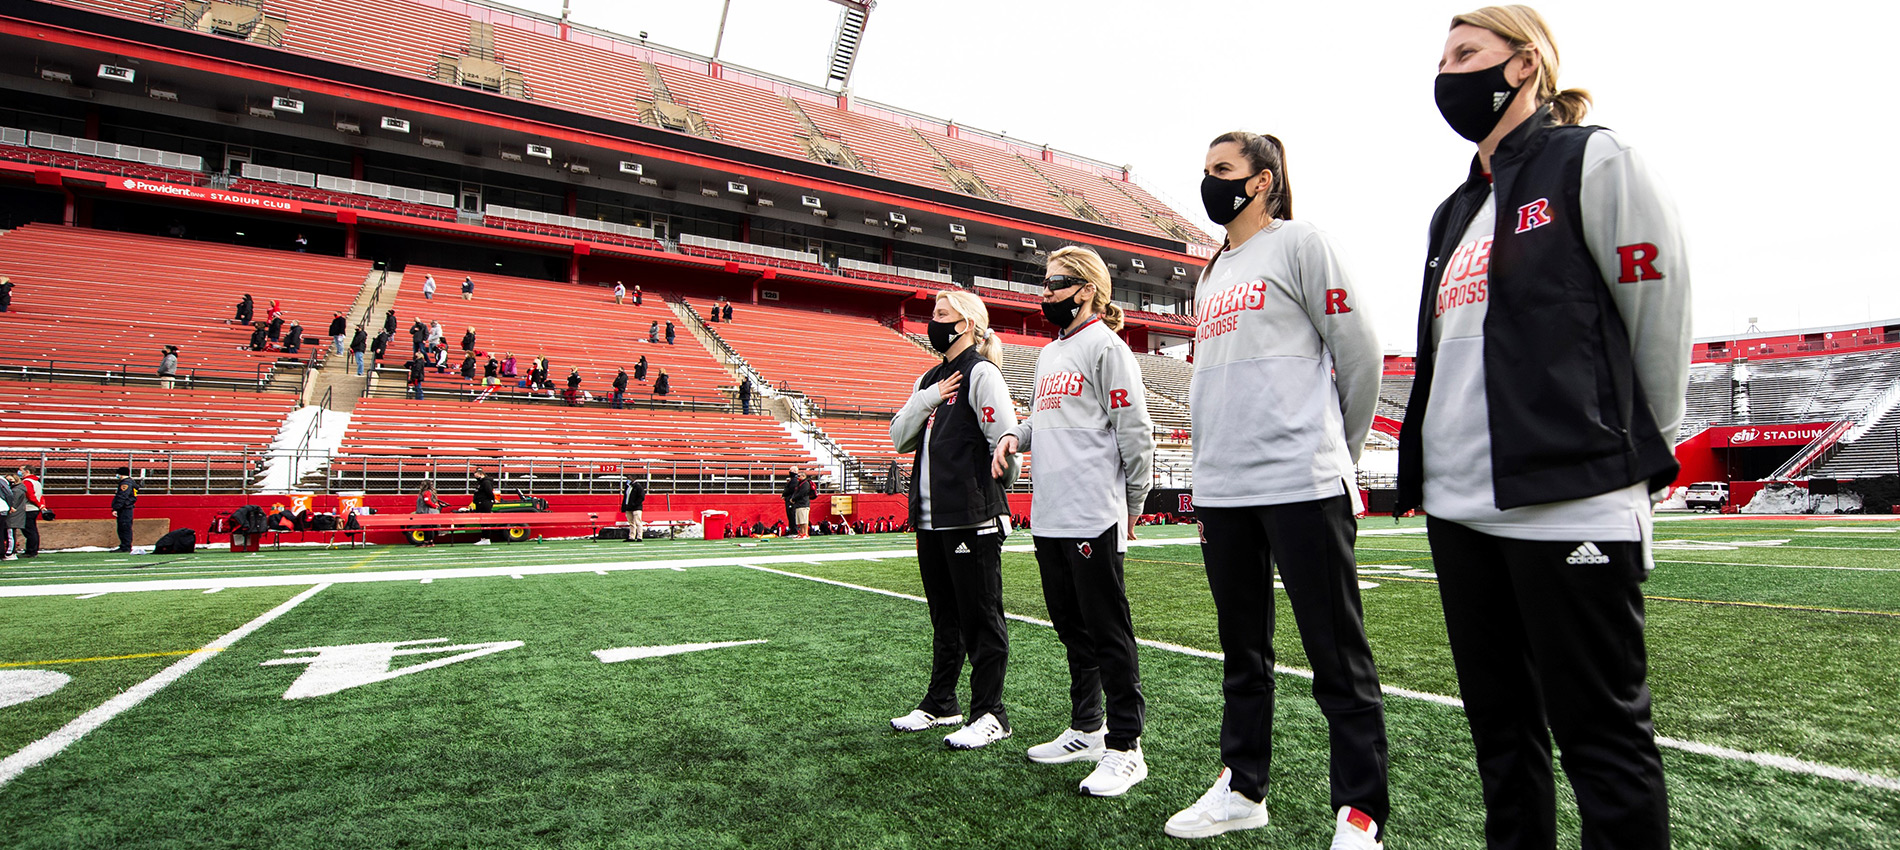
x,y
1568,418
962,492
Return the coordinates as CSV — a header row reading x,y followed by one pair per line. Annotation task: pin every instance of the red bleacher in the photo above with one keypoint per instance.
x,y
61,417
572,326
101,297
100,164
343,199
753,259
849,361
574,233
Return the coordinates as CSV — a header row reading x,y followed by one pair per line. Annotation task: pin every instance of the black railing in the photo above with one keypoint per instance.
x,y
125,374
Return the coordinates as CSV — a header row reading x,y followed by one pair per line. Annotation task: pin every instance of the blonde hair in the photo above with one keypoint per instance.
x,y
1525,29
971,308
1087,265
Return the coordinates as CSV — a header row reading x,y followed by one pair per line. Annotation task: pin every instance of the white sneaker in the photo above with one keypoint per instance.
x,y
1353,830
1071,745
1221,809
919,720
1118,772
985,731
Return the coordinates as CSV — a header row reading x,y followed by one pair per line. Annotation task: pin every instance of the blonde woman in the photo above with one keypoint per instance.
x,y
1553,357
1286,375
1094,447
960,410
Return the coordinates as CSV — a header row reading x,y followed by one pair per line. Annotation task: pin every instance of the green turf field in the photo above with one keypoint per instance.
x,y
1772,647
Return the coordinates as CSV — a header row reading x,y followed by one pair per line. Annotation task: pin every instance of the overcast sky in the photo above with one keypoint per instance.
x,y
1771,131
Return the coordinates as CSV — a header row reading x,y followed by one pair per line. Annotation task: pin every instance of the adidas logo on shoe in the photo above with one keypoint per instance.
x,y
1587,554
963,549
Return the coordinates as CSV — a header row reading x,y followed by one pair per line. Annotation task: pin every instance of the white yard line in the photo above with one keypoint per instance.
x,y
51,745
1786,763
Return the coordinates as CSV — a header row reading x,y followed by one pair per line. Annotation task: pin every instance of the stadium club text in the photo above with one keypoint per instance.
x,y
197,194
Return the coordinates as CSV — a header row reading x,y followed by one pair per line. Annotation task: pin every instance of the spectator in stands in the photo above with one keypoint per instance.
x,y
491,373
276,309
426,503
669,333
302,243
712,315
259,339
35,502
484,492
125,501
416,371
640,369
573,393
419,335
439,355
6,294
1094,461
960,408
245,309
1543,419
14,540
468,288
428,287
379,348
468,340
620,389
620,292
726,308
653,331
275,330
359,343
293,337
745,395
468,366
167,366
538,374
662,386
435,333
633,500
389,322
508,365
638,297
337,325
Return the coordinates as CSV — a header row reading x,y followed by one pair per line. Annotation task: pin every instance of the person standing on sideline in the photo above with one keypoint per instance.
x,y
359,343
337,326
35,502
168,366
484,492
15,529
960,409
1539,502
428,287
620,292
1094,445
426,503
669,333
124,501
468,288
1286,376
745,395
633,501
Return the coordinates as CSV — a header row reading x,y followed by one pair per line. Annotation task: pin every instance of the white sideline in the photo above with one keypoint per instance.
x,y
1787,763
51,745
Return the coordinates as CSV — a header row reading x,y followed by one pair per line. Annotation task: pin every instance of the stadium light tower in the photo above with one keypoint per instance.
x,y
844,45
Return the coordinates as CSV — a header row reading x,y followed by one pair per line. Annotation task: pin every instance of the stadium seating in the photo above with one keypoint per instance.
x,y
182,440
1710,397
100,164
574,233
573,326
394,444
1819,388
841,362
113,299
343,199
1168,376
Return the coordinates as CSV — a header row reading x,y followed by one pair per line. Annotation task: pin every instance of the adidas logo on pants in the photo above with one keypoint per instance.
x,y
1587,554
963,549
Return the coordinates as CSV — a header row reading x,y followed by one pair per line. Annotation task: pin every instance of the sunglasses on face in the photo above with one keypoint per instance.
x,y
1061,281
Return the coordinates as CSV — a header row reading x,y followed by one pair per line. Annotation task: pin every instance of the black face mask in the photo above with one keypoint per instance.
x,y
1474,101
943,335
1224,199
1060,313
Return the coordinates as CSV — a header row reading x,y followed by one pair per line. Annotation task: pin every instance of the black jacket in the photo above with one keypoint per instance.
x,y
962,491
381,345
799,491
745,389
127,496
662,386
492,370
359,342
1568,416
336,326
468,341
245,309
257,337
468,367
293,339
276,328
389,323
633,495
484,491
416,370
640,369
620,380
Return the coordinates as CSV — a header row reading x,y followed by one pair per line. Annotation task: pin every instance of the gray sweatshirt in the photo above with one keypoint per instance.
x,y
1286,373
987,395
1094,442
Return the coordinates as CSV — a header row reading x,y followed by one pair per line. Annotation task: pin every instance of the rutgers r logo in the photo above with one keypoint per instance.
x,y
1638,262
1187,503
1118,399
1336,302
1533,215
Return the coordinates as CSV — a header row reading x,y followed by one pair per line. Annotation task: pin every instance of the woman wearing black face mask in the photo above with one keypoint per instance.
x,y
1553,354
1286,376
959,411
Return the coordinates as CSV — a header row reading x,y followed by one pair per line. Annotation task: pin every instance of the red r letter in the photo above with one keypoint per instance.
x,y
1117,399
1533,215
1336,302
1639,262
1187,503
989,414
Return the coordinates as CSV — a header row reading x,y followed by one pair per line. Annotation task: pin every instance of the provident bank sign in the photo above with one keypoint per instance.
x,y
193,193
1751,436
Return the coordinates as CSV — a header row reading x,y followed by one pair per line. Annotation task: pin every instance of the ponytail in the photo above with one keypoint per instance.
x,y
1112,316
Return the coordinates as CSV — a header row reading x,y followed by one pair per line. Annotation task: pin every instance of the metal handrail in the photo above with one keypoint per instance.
x,y
82,371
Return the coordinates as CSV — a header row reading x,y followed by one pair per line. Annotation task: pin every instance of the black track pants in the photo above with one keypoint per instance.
x,y
963,582
1088,603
